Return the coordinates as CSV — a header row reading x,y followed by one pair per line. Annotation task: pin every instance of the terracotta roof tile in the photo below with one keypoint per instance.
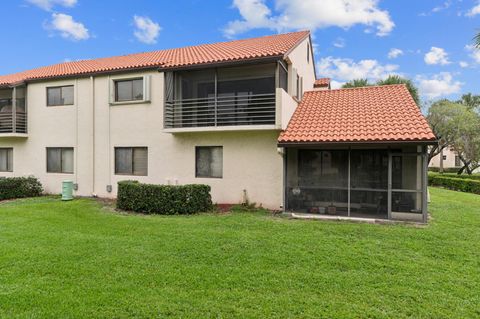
x,y
268,46
321,83
369,114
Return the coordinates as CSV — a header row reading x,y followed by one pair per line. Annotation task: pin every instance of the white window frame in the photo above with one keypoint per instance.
x,y
146,89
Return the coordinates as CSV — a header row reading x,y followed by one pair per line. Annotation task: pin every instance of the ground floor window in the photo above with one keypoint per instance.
x,y
209,161
6,159
131,161
60,160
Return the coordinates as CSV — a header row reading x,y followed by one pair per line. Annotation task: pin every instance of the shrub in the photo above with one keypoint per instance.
x,y
453,183
455,175
445,170
163,199
19,187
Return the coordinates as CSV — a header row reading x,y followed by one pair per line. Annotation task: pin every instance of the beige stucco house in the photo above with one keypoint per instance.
x,y
224,114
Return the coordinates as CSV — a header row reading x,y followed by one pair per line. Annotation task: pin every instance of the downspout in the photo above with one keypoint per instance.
x,y
76,133
92,87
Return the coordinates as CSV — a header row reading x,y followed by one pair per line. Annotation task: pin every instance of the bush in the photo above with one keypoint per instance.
x,y
455,175
453,183
19,187
163,199
445,170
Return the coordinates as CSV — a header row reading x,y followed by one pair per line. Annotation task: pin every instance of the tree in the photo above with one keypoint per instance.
x,y
391,79
470,100
458,126
441,117
467,140
477,40
395,79
356,83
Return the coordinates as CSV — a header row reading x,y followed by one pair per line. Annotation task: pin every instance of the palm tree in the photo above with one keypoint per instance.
x,y
395,79
477,40
356,83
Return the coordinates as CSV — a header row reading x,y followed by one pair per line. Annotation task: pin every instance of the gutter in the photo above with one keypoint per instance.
x,y
291,144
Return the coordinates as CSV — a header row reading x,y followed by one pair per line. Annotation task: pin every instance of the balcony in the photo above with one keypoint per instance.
x,y
235,110
13,113
225,99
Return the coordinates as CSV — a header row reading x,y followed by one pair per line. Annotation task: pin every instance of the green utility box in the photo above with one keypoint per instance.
x,y
67,190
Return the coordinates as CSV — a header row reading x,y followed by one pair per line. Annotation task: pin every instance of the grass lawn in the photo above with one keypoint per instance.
x,y
77,260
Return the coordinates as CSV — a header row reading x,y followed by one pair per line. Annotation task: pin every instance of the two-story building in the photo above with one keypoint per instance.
x,y
213,114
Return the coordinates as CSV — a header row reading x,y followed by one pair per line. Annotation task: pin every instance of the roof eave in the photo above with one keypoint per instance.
x,y
421,142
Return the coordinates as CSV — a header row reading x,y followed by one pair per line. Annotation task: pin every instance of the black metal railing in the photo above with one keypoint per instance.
x,y
236,110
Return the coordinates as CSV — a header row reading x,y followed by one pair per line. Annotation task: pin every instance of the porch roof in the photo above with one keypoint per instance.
x,y
358,115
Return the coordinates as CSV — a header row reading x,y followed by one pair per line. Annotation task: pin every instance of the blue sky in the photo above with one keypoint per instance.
x,y
425,40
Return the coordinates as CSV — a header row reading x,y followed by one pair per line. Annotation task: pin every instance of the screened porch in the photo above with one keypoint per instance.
x,y
379,183
225,96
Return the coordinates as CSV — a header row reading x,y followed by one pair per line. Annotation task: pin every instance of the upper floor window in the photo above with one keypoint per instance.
x,y
308,53
60,160
60,95
131,161
129,90
6,159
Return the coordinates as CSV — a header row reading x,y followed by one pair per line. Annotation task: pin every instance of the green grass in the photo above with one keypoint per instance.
x,y
79,260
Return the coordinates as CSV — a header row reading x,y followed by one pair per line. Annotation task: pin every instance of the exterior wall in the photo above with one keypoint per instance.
x,y
298,60
93,127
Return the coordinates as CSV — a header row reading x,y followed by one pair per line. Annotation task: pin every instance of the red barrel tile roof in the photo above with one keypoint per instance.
x,y
321,83
369,114
247,49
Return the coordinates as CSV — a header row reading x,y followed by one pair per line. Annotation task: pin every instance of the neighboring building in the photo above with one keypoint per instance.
x,y
448,158
213,114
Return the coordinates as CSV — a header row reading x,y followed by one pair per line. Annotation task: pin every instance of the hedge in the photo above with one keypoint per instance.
x,y
445,170
19,187
456,184
454,175
163,199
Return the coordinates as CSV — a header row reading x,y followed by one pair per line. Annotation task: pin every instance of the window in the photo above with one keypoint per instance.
x,y
60,160
458,163
129,90
131,161
283,77
6,159
60,95
444,157
299,87
209,161
308,53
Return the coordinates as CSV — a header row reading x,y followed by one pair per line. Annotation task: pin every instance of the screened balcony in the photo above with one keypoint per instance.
x,y
223,97
13,111
362,183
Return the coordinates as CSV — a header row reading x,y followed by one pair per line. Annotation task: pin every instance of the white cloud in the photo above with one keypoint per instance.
x,y
474,11
445,5
146,30
309,14
394,53
474,53
438,85
339,43
49,4
436,56
68,28
343,70
463,64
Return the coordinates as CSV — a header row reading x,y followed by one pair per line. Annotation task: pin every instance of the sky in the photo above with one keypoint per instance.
x,y
428,41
